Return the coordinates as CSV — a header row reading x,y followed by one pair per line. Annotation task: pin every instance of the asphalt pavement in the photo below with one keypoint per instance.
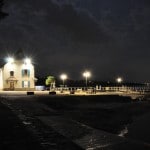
x,y
61,132
13,134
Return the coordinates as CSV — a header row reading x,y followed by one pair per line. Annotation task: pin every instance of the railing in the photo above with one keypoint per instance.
x,y
107,88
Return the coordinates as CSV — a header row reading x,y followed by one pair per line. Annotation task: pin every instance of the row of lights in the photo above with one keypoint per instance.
x,y
11,60
87,74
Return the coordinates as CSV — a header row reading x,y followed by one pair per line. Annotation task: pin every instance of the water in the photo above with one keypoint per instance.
x,y
123,132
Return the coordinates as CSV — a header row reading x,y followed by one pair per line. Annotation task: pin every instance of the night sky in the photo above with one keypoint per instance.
x,y
108,37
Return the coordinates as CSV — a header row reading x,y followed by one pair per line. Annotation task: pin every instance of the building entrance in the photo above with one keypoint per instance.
x,y
12,86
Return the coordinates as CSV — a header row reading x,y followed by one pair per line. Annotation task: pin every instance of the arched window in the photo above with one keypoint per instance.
x,y
11,73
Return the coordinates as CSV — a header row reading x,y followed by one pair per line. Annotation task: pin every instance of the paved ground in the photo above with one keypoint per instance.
x,y
70,123
13,134
22,131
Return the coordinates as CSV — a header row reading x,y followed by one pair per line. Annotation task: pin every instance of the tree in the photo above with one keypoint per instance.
x,y
50,80
2,14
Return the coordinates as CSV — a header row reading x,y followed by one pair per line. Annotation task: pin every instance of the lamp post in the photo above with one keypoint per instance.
x,y
63,77
86,74
119,81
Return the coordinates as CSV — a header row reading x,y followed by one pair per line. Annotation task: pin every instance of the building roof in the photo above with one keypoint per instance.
x,y
19,54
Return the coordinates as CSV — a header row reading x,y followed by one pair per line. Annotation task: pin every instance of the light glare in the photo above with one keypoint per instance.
x,y
87,74
119,80
28,61
10,60
63,76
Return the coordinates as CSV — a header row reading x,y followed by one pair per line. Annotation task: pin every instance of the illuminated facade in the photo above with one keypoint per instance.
x,y
18,75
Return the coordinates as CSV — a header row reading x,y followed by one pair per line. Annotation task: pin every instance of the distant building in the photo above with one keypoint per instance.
x,y
17,74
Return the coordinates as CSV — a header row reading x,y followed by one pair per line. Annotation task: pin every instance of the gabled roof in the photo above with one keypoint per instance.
x,y
19,54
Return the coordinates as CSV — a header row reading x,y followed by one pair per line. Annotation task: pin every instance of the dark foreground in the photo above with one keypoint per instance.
x,y
63,123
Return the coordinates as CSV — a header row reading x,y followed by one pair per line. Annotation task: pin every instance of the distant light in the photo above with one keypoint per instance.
x,y
119,79
63,76
10,60
87,74
28,61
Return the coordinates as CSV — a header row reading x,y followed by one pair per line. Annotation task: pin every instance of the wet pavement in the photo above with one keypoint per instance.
x,y
47,123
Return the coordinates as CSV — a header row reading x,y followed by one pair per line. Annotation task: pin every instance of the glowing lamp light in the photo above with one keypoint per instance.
x,y
86,74
63,76
10,60
28,61
119,79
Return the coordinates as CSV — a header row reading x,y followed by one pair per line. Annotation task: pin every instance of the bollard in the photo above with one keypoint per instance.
x,y
30,93
52,93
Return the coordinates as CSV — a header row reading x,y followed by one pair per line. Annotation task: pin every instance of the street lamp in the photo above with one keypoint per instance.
x,y
63,77
119,81
86,74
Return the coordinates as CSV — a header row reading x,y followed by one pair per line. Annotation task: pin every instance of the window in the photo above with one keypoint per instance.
x,y
11,73
25,72
25,84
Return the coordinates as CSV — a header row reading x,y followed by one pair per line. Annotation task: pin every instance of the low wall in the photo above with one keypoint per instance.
x,y
19,89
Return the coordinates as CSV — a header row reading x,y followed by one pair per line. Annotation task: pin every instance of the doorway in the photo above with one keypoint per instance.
x,y
11,86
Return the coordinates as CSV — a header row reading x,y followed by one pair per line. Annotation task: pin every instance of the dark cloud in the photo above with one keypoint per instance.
x,y
79,23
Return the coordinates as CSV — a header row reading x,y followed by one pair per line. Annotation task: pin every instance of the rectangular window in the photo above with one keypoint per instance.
x,y
26,73
25,84
11,73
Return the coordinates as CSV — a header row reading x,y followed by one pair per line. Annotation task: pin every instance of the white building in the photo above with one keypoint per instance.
x,y
17,74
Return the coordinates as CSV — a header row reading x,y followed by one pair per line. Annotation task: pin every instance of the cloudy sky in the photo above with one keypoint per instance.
x,y
108,37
